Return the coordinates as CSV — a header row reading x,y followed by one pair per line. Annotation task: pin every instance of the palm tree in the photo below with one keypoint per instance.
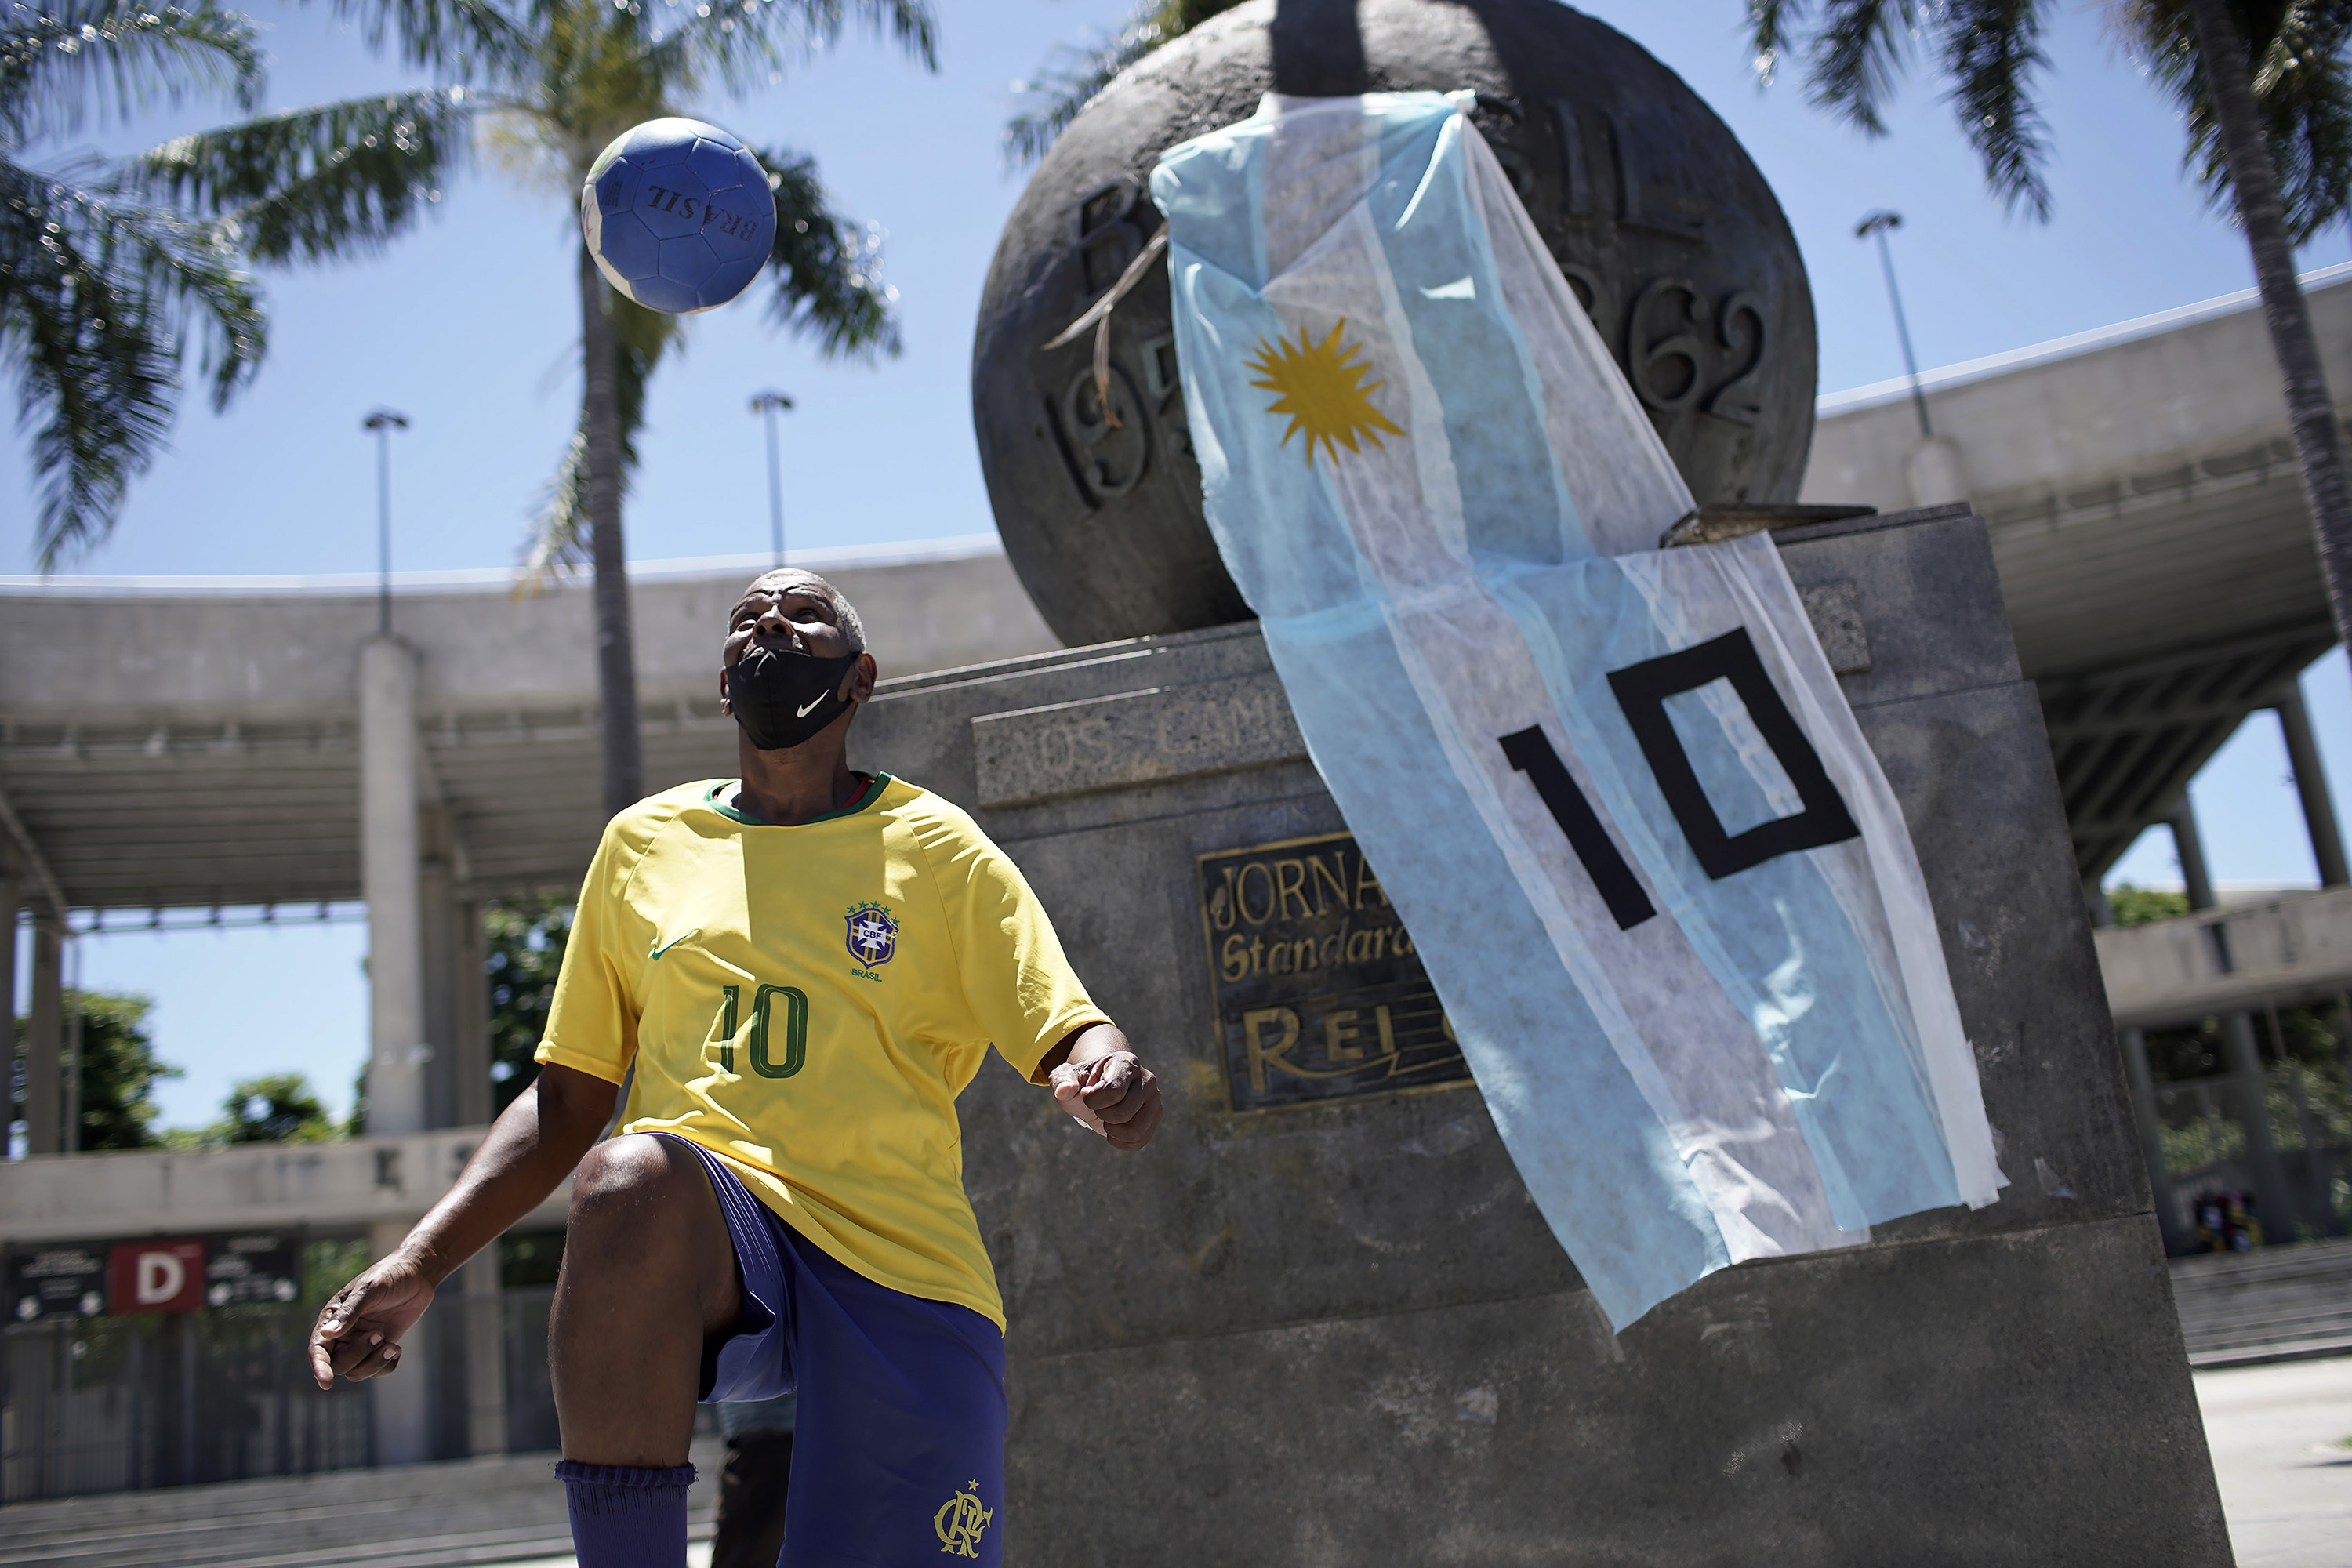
x,y
549,83
102,291
1069,80
2264,88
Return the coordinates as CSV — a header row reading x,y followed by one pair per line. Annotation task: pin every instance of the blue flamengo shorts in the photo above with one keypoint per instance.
x,y
899,1452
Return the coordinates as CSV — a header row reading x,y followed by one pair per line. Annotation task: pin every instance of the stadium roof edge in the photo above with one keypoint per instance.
x,y
501,579
1880,392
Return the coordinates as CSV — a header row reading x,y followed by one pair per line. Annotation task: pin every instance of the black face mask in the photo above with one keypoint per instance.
x,y
783,698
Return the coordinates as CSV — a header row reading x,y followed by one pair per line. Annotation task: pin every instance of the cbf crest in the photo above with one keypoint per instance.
x,y
873,935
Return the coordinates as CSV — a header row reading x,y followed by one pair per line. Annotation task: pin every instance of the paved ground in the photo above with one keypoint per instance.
x,y
697,1555
2278,1434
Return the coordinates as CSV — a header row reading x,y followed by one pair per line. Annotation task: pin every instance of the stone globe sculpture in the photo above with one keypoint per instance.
x,y
1660,222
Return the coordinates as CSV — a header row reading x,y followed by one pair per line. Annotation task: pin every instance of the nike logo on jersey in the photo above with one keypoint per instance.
x,y
673,942
804,712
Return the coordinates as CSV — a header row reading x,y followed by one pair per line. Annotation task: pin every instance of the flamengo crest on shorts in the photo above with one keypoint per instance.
x,y
873,936
961,1522
1646,855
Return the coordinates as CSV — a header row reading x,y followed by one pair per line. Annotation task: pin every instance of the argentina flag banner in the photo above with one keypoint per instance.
x,y
1662,887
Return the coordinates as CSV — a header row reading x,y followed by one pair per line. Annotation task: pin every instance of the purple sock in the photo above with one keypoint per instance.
x,y
625,1516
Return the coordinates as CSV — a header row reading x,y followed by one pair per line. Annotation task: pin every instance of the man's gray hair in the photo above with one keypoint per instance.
x,y
853,629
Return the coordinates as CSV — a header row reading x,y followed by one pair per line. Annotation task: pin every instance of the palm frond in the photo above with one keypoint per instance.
x,y
1073,76
100,299
1178,17
1992,51
335,180
1857,53
558,544
2297,55
452,38
2305,88
907,22
69,56
826,271
1769,25
747,41
1070,78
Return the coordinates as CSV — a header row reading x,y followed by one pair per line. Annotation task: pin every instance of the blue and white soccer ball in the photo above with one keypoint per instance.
x,y
678,215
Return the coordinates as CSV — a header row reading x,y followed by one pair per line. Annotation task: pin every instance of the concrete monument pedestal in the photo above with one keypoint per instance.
x,y
1320,1321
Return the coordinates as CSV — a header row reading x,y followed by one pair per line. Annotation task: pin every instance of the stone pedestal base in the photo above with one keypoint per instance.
x,y
1325,1326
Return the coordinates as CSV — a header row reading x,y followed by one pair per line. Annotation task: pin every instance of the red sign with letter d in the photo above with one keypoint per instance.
x,y
155,1276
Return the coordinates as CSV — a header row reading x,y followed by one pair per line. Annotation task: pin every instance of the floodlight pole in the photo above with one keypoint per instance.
x,y
767,404
384,422
1876,225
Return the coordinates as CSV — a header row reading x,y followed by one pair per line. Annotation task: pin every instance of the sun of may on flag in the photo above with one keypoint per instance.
x,y
1615,791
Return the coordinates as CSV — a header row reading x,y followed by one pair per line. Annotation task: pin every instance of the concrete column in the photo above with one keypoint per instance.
x,y
2311,788
486,1354
2151,1141
473,1021
2241,1055
12,899
441,938
45,1038
401,1405
2189,845
71,1058
2344,1032
398,1049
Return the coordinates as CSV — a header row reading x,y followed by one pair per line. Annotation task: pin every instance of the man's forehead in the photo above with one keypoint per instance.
x,y
807,588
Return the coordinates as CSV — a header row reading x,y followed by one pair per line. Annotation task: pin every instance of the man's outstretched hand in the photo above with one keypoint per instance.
x,y
358,1329
532,1146
1112,1093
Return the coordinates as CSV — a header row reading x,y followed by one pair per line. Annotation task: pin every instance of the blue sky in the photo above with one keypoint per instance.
x,y
469,327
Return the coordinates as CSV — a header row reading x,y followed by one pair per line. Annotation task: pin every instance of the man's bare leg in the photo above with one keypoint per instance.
x,y
648,1275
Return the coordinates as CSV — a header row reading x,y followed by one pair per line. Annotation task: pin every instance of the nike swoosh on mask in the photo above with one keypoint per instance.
x,y
804,712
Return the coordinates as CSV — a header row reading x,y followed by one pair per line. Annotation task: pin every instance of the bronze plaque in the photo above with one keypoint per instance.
x,y
1319,992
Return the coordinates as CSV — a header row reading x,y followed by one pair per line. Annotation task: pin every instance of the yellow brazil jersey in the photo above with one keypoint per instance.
x,y
807,1002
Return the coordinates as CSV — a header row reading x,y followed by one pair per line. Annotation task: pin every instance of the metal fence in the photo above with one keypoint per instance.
x,y
530,1425
103,1405
124,1403
107,1405
530,1392
2201,1127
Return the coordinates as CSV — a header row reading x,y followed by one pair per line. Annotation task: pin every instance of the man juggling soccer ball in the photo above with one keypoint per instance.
x,y
804,968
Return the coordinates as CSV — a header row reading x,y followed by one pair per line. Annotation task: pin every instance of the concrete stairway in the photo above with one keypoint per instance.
x,y
414,1516
2272,1304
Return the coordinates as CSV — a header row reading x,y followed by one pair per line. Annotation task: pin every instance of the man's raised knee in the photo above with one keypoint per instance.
x,y
642,1205
631,1175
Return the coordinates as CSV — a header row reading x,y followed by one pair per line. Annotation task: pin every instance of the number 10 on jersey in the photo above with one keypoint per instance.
x,y
765,1002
